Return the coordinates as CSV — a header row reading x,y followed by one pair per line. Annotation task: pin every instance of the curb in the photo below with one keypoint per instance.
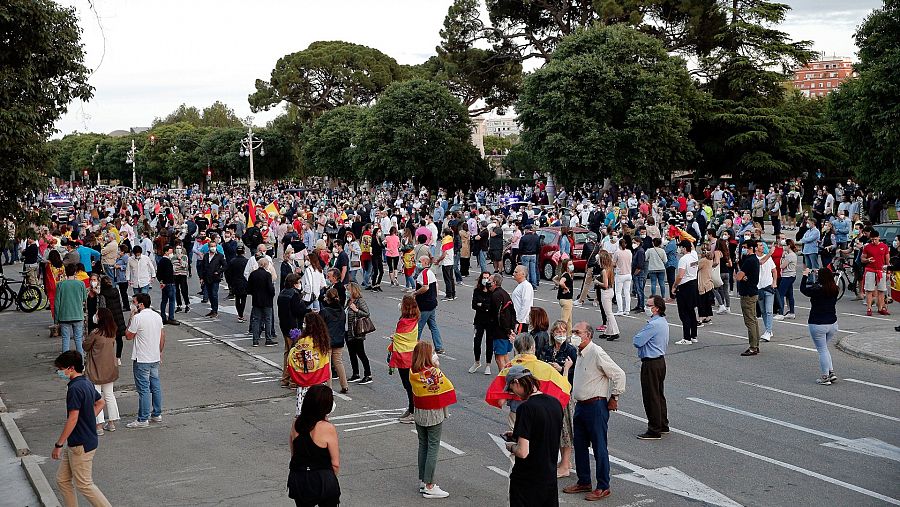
x,y
39,482
15,436
863,354
30,463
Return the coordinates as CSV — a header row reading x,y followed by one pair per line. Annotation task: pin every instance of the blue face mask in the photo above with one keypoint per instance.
x,y
62,374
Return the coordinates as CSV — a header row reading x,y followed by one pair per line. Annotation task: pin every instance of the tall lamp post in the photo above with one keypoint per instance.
x,y
131,159
93,157
248,144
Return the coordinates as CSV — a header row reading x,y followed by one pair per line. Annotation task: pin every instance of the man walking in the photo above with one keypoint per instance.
x,y
596,387
747,280
71,296
652,341
426,299
522,298
145,327
78,441
261,287
139,271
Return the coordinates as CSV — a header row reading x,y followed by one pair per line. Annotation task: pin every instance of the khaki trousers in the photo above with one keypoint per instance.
x,y
77,465
337,362
748,310
587,285
565,311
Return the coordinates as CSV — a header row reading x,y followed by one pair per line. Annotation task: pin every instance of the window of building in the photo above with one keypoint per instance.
x,y
829,84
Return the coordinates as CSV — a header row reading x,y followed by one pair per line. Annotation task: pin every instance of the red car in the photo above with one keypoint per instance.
x,y
550,237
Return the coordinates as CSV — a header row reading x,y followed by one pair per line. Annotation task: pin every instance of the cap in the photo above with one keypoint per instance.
x,y
515,373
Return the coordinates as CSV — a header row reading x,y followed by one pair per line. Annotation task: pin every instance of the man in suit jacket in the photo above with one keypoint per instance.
x,y
261,287
213,268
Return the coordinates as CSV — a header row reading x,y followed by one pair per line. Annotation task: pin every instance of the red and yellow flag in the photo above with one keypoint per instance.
x,y
404,341
552,382
431,389
272,209
308,366
446,243
251,213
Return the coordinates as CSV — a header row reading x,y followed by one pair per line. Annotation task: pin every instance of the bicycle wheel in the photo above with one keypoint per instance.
x,y
842,285
30,299
5,298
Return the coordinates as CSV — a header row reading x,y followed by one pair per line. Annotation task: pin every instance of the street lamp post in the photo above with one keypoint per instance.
x,y
93,157
248,144
132,159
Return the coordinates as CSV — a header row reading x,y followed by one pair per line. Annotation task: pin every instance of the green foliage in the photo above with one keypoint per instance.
x,y
328,145
418,130
866,110
324,76
216,115
498,143
41,71
520,161
636,129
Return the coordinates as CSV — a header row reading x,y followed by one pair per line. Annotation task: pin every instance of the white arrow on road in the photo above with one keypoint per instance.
x,y
867,446
668,479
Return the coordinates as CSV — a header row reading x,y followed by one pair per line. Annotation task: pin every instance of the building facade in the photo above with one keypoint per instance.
x,y
819,78
502,126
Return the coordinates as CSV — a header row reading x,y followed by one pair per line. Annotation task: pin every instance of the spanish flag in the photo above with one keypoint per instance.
x,y
446,243
552,382
251,213
403,343
272,209
431,389
308,366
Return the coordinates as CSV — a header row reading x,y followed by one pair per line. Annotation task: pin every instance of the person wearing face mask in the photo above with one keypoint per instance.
x,y
651,343
481,304
638,273
564,291
140,272
71,296
93,289
562,355
101,366
686,292
181,264
145,328
109,299
810,242
747,279
165,273
77,443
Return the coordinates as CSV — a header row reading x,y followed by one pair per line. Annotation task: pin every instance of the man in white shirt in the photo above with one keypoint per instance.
x,y
598,381
522,298
687,292
768,282
140,271
253,262
145,327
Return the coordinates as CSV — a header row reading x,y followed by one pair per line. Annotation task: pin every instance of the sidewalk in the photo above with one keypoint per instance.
x,y
14,488
883,347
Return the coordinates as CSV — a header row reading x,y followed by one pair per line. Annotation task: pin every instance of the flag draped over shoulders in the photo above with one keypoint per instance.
x,y
431,389
552,382
404,341
251,213
308,366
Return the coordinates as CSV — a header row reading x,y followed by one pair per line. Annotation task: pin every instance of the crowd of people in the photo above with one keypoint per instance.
x,y
315,252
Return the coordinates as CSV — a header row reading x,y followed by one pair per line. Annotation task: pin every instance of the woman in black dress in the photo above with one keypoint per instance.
x,y
315,455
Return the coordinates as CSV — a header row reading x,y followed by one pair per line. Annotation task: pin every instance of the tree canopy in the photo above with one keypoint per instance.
x,y
328,145
610,103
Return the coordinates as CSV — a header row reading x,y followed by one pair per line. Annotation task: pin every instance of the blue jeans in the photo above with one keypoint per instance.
x,y
428,317
786,288
167,300
260,320
140,290
456,272
821,334
212,293
367,273
530,263
811,260
146,381
590,423
766,304
637,284
658,277
67,329
482,260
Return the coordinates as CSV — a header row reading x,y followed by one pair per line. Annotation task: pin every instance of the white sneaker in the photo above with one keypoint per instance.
x,y
790,316
684,342
421,486
118,361
693,340
434,492
767,336
156,419
778,317
475,367
138,424
577,303
722,310
487,370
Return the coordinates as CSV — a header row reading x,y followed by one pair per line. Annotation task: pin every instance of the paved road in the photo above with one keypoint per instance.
x,y
746,431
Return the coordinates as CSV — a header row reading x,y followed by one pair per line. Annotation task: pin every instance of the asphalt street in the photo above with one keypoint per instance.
x,y
745,431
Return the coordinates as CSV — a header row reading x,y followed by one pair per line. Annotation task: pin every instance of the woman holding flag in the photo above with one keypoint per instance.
x,y
400,351
309,361
432,394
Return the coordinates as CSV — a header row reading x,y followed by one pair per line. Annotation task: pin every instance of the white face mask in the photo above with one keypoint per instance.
x,y
94,318
95,285
575,340
571,267
560,338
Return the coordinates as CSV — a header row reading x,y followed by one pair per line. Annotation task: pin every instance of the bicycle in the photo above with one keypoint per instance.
x,y
29,298
844,276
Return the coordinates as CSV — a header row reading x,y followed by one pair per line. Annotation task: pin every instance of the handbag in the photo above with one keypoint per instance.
x,y
716,277
362,326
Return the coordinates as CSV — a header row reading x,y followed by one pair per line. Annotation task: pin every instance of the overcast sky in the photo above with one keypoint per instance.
x,y
152,56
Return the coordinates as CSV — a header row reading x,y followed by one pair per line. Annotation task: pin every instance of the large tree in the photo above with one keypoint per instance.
x,y
610,103
418,130
217,115
326,75
328,145
866,109
41,70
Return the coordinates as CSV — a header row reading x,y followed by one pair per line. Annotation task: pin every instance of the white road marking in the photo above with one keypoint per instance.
x,y
371,426
672,480
190,340
200,343
867,316
731,335
352,423
868,446
367,413
796,347
268,380
248,374
504,473
817,400
239,339
447,446
872,384
795,468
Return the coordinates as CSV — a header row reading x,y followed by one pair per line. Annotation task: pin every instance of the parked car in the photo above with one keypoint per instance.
x,y
550,237
887,231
